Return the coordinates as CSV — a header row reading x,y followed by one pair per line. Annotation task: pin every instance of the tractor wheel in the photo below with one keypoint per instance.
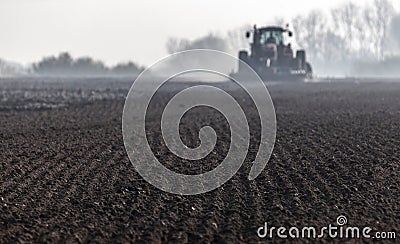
x,y
243,56
301,59
309,71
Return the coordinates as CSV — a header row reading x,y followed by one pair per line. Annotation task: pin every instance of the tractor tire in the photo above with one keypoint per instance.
x,y
309,71
301,59
243,56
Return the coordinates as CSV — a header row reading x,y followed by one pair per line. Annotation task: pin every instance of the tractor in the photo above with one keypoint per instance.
x,y
272,58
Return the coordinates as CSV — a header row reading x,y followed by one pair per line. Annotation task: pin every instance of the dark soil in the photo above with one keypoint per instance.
x,y
65,175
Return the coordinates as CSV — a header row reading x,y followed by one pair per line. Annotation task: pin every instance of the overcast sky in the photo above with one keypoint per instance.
x,y
121,30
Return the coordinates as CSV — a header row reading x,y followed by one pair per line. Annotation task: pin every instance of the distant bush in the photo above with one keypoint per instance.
x,y
65,65
127,69
11,69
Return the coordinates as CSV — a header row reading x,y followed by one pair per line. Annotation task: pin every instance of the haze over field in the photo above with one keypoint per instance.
x,y
340,37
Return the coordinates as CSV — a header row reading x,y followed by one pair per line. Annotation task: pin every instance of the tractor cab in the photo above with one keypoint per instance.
x,y
274,35
270,43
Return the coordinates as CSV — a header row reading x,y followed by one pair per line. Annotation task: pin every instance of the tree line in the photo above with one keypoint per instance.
x,y
350,35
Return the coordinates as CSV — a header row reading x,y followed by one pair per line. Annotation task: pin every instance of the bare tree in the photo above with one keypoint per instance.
x,y
395,29
344,22
309,32
377,18
384,12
